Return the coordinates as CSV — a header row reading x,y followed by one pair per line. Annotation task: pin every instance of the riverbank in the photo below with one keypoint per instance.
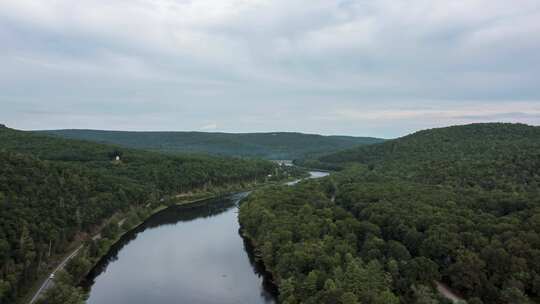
x,y
257,255
270,274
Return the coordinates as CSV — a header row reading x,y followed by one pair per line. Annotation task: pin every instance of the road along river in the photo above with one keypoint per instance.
x,y
184,254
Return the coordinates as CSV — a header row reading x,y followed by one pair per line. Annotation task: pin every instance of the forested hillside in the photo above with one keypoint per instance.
x,y
459,205
176,173
464,143
53,191
277,145
309,244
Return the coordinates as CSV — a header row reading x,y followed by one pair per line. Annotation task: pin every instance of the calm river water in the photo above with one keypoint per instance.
x,y
185,254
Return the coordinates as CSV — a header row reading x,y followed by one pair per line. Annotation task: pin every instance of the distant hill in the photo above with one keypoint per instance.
x,y
481,150
168,172
466,142
276,145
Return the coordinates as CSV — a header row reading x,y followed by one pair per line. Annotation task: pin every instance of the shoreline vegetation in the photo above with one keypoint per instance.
x,y
283,228
445,293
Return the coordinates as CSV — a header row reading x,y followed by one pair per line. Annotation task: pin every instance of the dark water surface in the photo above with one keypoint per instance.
x,y
184,254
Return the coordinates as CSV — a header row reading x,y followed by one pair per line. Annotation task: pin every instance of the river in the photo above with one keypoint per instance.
x,y
184,254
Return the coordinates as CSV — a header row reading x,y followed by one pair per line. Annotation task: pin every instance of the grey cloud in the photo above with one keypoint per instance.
x,y
228,63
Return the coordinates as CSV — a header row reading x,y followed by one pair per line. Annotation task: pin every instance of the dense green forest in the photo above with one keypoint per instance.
x,y
54,191
460,205
277,145
170,173
309,245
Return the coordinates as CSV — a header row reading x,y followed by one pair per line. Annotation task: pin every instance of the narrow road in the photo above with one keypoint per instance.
x,y
49,281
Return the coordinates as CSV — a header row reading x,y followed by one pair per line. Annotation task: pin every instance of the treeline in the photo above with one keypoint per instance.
x,y
169,173
55,191
459,205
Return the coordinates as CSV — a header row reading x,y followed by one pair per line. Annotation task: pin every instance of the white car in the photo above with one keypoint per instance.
x,y
51,276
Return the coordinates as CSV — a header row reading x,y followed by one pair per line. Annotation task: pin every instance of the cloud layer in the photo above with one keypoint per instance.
x,y
380,67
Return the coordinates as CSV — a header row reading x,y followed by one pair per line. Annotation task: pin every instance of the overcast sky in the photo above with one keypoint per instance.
x,y
372,67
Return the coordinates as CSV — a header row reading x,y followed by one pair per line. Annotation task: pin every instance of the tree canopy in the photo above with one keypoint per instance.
x,y
459,205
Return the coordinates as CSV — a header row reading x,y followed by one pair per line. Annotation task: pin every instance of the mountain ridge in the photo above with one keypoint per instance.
x,y
269,145
430,143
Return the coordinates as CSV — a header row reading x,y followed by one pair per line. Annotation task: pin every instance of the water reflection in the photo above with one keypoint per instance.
x,y
189,254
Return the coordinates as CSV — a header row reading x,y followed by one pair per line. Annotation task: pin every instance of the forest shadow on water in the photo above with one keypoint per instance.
x,y
184,254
